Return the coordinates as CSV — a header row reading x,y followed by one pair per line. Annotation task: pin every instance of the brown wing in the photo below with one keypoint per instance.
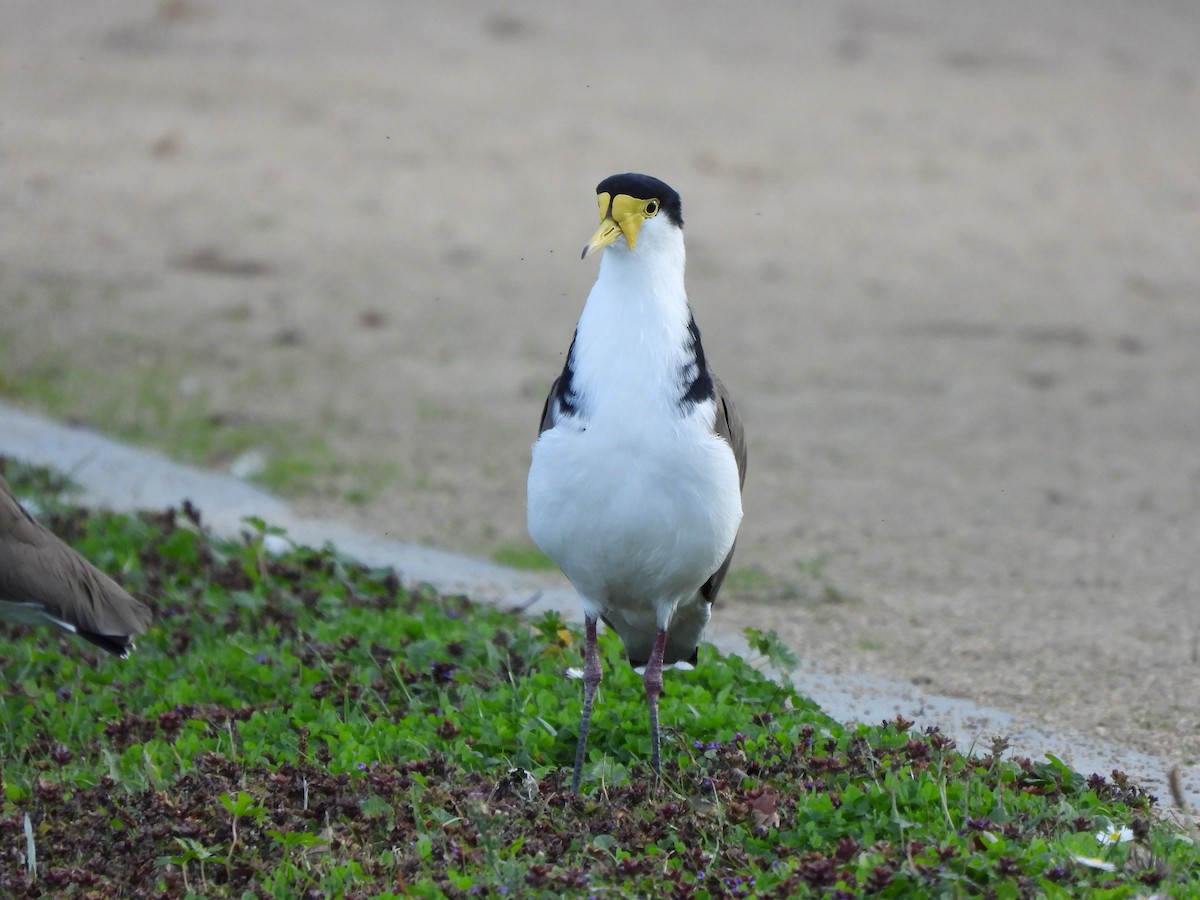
x,y
728,426
37,569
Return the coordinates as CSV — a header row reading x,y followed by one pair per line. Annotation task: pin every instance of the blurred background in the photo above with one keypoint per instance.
x,y
946,256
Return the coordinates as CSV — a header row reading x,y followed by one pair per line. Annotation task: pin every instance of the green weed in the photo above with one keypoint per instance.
x,y
300,724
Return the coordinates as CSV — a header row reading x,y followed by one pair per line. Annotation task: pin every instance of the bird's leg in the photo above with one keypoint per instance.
x,y
591,680
652,679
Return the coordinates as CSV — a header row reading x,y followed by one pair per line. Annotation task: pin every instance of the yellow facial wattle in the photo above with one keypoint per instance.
x,y
620,215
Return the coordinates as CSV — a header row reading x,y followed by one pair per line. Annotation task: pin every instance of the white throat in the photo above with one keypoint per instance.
x,y
632,342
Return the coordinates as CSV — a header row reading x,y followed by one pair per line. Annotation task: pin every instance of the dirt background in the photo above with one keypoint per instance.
x,y
947,257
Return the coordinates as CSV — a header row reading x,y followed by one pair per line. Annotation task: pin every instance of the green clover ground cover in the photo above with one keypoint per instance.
x,y
298,725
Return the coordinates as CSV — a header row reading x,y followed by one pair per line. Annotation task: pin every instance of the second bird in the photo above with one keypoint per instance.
x,y
635,484
43,581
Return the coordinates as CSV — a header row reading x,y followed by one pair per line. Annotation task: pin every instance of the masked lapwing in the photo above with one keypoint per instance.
x,y
45,582
635,484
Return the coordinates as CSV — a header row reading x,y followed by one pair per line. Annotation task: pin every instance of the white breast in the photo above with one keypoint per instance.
x,y
637,520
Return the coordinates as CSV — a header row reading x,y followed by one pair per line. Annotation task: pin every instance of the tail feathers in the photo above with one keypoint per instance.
x,y
116,644
119,644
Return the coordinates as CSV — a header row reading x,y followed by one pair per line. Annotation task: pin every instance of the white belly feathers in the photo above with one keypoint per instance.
x,y
638,517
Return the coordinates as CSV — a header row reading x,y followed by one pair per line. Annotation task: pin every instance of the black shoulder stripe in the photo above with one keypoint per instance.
x,y
696,376
566,399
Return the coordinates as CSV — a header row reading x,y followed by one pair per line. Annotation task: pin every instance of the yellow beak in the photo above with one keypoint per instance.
x,y
626,218
608,232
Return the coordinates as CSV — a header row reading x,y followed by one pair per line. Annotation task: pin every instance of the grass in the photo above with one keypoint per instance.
x,y
299,725
142,403
523,556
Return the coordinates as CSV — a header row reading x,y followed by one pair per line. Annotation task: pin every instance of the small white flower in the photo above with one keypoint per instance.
x,y
1093,863
577,674
276,545
1114,834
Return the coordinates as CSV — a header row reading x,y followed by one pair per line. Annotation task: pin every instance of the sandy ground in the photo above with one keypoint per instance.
x,y
947,257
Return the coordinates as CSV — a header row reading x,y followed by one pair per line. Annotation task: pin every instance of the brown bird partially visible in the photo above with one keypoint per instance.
x,y
45,582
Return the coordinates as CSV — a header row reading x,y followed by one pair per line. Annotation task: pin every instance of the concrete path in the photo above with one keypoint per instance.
x,y
124,478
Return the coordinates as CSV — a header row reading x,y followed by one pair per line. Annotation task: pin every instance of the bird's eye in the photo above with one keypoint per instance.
x,y
652,208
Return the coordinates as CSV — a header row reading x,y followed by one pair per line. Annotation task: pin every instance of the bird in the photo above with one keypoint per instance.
x,y
636,475
45,582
